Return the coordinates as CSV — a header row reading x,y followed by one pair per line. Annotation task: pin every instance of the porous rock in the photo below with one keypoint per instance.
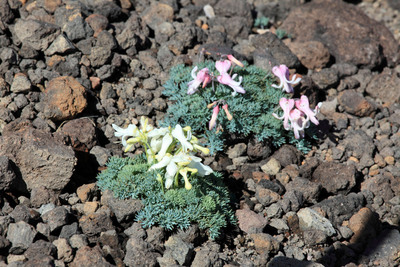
x,y
64,98
42,160
339,21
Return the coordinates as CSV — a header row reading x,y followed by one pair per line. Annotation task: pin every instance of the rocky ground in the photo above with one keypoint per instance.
x,y
69,69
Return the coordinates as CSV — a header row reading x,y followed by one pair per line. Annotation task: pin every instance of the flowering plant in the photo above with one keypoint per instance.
x,y
230,99
169,150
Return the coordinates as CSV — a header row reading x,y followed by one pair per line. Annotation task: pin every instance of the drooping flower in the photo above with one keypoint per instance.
x,y
234,60
225,78
298,123
202,76
286,105
214,116
303,105
282,72
228,114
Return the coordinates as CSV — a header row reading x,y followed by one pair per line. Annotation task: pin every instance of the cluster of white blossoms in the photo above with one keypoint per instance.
x,y
169,149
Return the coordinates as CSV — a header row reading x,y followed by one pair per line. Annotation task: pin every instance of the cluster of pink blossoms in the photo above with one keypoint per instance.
x,y
204,77
297,114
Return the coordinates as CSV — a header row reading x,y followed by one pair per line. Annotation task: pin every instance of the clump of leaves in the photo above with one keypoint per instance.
x,y
206,203
251,111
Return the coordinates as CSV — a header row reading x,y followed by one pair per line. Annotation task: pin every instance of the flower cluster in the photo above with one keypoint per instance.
x,y
204,77
170,150
297,118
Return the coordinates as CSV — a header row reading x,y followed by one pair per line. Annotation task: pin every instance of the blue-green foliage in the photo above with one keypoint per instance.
x,y
252,111
207,203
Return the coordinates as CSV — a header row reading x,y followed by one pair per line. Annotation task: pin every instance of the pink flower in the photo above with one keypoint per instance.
x,y
226,79
282,72
303,105
228,114
234,60
214,116
286,105
223,66
298,123
202,77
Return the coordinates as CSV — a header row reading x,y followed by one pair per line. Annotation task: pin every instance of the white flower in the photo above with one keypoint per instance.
x,y
125,133
180,135
202,170
172,163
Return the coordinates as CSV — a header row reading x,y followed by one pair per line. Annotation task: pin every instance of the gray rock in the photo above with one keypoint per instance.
x,y
69,230
77,29
56,218
21,101
4,223
335,177
266,196
292,200
250,222
6,14
287,155
124,209
271,49
138,253
340,207
326,78
22,213
359,143
310,190
106,39
344,69
43,229
21,236
178,249
34,33
101,154
105,72
309,219
78,241
100,56
135,231
8,56
7,174
40,247
21,84
383,249
206,256
60,45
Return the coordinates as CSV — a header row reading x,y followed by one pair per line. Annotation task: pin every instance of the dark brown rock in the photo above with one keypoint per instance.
x,y
335,177
64,98
269,46
312,54
384,86
41,195
81,134
354,103
287,155
379,185
95,223
42,159
97,22
349,34
89,257
8,178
